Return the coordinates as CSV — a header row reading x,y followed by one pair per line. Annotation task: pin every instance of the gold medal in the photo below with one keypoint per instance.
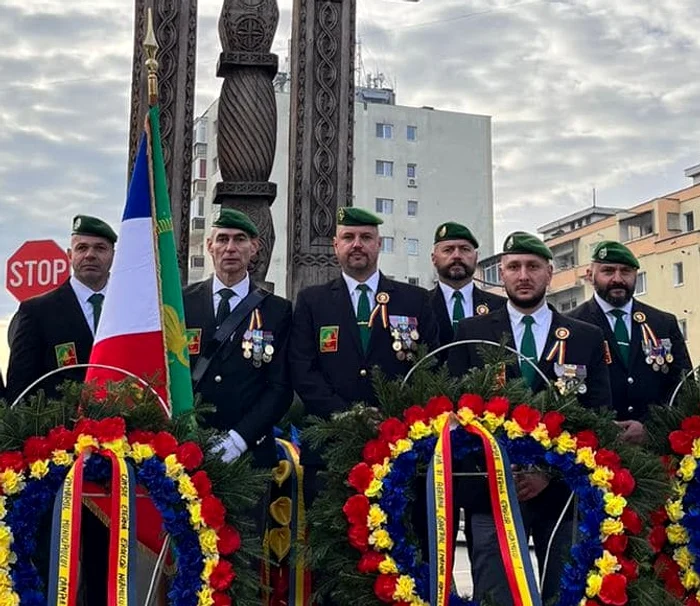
x,y
396,346
247,354
669,358
639,317
659,360
562,333
414,334
382,298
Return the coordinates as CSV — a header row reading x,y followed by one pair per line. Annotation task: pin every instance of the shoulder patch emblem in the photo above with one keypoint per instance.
x,y
66,354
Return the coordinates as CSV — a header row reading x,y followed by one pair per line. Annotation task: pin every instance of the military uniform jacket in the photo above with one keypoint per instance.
x,y
484,302
584,346
248,400
636,386
330,376
47,332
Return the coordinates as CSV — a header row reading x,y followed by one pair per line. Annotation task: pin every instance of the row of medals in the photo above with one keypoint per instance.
x,y
659,357
257,345
405,342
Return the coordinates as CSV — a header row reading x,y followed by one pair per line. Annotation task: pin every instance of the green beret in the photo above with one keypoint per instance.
x,y
609,251
354,216
520,242
85,225
235,219
454,231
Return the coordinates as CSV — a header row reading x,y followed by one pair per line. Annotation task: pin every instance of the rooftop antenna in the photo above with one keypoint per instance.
x,y
594,201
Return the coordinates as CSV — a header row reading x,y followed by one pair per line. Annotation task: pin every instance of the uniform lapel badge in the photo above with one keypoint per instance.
x,y
657,352
404,331
482,309
257,343
380,308
66,354
194,340
328,339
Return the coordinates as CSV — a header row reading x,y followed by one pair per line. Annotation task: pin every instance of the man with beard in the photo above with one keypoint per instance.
x,y
647,352
538,333
339,335
454,298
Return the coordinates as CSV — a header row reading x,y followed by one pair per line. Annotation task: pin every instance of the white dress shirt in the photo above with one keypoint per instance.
x,y
352,284
468,299
608,309
83,293
540,327
240,291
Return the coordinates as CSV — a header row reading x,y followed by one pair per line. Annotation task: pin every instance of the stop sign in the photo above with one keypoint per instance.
x,y
35,268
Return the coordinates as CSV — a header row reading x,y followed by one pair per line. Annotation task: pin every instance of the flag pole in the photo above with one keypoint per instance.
x,y
150,45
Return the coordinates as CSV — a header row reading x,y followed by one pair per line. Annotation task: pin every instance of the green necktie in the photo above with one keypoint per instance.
x,y
363,316
457,309
621,335
224,307
96,301
528,348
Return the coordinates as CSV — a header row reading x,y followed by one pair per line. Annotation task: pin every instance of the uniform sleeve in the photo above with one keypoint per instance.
x,y
309,382
459,358
278,394
429,329
26,353
599,394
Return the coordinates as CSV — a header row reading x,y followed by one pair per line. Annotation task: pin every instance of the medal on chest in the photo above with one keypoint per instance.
x,y
657,352
405,335
570,377
257,343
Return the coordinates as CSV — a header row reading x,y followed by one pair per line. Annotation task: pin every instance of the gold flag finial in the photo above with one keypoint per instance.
x,y
150,44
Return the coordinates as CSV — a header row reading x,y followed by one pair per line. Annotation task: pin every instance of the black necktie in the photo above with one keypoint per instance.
x,y
96,301
224,308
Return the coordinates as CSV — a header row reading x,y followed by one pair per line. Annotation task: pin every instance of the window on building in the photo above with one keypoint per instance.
x,y
411,133
202,174
567,305
678,274
492,273
638,226
413,281
197,261
384,206
683,325
384,168
385,131
673,221
564,256
201,132
387,244
412,246
641,287
412,208
411,170
199,206
689,221
215,165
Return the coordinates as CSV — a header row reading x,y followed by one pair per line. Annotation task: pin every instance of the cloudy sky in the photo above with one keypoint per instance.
x,y
583,93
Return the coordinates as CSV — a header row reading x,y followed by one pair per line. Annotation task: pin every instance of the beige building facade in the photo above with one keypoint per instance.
x,y
663,233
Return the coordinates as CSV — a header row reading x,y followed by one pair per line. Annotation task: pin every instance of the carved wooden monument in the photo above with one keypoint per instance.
x,y
321,136
175,24
247,119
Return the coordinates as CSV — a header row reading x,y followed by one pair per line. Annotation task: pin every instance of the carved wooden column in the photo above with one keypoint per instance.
x,y
175,25
247,119
321,136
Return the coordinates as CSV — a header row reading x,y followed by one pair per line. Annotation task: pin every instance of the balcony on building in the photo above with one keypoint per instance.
x,y
636,226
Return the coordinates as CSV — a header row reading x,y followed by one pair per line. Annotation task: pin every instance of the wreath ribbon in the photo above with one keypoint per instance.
x,y
509,525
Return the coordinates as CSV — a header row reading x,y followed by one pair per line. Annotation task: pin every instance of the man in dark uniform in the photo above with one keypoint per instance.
x,y
539,333
455,296
339,333
647,355
246,374
57,329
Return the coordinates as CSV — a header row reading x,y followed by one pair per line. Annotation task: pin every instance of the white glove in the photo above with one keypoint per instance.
x,y
231,446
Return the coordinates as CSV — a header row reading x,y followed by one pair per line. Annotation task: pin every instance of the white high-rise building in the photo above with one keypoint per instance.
x,y
414,167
